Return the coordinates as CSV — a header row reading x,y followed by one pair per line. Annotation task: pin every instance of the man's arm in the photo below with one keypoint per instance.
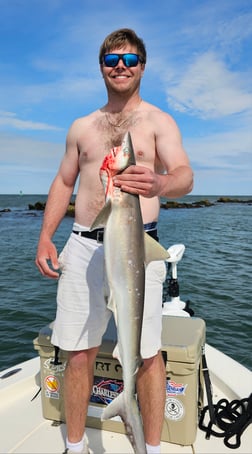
x,y
176,177
143,181
57,203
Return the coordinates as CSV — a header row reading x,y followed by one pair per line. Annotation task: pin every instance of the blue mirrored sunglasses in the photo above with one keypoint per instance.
x,y
129,60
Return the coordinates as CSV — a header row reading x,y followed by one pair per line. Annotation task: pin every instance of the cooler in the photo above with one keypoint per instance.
x,y
52,368
108,381
182,342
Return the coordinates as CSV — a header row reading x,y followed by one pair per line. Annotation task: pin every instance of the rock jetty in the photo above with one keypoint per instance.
x,y
40,206
168,204
165,205
174,204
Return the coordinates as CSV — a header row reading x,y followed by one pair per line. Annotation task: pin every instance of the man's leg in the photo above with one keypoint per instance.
x,y
151,390
78,382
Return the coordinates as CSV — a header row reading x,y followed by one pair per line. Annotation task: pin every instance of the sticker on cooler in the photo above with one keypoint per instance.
x,y
52,387
56,369
174,409
105,390
175,389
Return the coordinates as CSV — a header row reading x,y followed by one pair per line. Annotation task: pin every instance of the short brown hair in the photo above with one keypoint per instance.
x,y
118,39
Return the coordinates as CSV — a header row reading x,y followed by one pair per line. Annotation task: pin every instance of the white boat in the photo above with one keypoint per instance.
x,y
25,429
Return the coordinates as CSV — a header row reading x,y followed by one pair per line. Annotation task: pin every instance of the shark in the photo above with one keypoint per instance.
x,y
127,251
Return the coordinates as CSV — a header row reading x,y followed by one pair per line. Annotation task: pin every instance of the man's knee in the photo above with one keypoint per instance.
x,y
152,363
82,358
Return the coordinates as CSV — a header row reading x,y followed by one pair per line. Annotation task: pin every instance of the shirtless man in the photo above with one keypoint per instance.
x,y
162,169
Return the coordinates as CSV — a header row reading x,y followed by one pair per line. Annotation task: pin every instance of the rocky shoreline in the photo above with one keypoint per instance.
x,y
169,204
203,203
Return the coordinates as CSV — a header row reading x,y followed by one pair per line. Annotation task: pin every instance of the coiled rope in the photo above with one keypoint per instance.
x,y
227,420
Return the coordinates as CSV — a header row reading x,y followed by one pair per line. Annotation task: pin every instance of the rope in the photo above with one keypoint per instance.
x,y
230,420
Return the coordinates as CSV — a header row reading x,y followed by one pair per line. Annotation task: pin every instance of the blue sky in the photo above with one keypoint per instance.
x,y
199,69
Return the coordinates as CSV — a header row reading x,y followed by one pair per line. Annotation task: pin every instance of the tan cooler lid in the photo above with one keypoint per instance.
x,y
182,338
44,337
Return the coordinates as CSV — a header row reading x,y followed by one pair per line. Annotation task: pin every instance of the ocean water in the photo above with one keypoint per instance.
x,y
214,273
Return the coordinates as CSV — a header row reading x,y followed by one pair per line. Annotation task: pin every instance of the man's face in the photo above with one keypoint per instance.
x,y
120,78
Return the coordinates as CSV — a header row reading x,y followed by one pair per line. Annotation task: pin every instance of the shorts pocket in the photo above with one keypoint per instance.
x,y
61,258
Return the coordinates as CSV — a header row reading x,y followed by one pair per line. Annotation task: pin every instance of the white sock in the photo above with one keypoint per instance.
x,y
153,449
75,447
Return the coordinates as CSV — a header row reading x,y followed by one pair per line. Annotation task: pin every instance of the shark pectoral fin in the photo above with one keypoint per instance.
x,y
154,250
102,217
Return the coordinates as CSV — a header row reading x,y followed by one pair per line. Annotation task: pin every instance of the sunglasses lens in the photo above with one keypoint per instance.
x,y
129,60
111,60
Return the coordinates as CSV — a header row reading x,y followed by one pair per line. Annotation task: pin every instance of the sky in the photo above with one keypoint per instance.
x,y
199,70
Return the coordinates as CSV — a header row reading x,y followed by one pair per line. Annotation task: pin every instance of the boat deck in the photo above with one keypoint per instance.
x,y
24,430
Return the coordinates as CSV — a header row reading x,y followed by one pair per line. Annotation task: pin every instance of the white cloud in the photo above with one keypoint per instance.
x,y
199,60
29,153
208,89
221,182
225,150
27,164
222,162
74,88
10,119
232,33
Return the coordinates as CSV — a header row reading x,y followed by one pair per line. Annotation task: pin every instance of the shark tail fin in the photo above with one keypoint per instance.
x,y
129,413
115,408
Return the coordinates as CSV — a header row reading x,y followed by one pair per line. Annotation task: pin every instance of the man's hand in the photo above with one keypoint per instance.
x,y
47,252
139,180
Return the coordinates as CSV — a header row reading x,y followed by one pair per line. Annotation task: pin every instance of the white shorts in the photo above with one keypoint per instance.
x,y
82,314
